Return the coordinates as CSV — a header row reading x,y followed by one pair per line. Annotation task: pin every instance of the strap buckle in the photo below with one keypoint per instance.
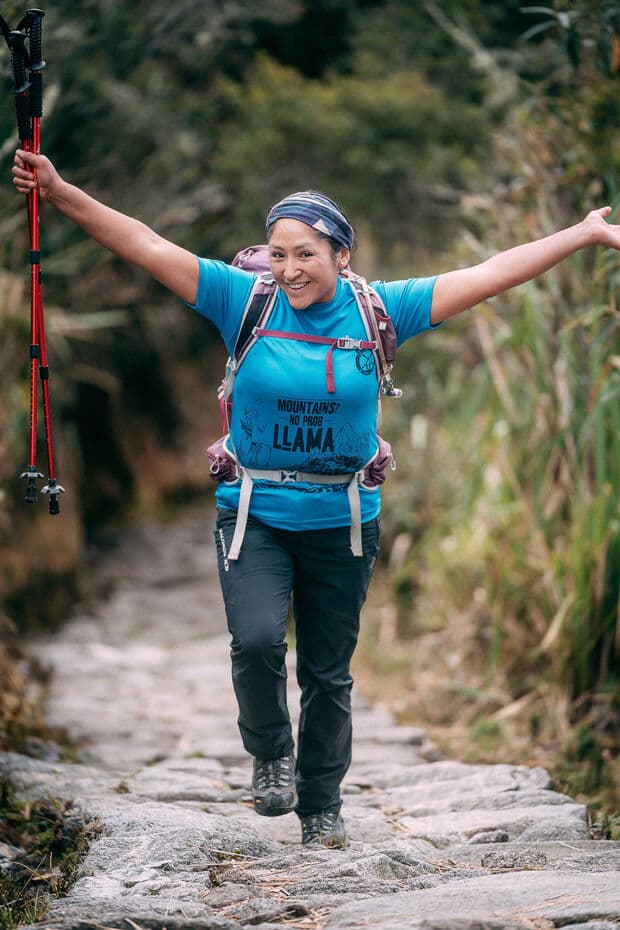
x,y
347,342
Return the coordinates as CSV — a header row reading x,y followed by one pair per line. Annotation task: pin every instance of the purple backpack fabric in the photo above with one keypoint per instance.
x,y
255,258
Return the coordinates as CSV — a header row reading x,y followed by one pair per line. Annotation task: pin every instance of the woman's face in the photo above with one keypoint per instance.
x,y
304,265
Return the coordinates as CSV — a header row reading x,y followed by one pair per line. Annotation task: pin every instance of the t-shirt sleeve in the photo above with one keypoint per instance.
x,y
222,294
409,304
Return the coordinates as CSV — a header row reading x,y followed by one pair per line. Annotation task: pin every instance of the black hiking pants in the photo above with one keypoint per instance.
x,y
328,585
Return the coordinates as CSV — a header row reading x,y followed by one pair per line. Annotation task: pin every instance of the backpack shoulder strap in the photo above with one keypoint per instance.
x,y
255,314
257,309
379,328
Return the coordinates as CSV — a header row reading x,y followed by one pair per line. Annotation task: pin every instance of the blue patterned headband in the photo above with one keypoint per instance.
x,y
315,210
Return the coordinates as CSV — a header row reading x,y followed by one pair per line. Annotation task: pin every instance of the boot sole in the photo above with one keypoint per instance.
x,y
327,844
263,806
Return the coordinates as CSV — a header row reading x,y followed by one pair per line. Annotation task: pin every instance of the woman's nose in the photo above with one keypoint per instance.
x,y
291,269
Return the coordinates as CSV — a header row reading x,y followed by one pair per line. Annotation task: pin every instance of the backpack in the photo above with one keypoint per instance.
x,y
377,322
224,464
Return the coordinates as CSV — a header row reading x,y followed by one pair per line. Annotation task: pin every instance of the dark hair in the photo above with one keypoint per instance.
x,y
335,245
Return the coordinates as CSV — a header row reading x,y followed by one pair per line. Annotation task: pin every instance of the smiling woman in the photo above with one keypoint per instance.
x,y
304,265
305,441
310,242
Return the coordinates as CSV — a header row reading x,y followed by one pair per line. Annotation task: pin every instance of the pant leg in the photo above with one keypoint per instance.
x,y
257,590
330,588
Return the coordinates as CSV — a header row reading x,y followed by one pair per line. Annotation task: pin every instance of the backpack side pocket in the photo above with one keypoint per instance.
x,y
222,463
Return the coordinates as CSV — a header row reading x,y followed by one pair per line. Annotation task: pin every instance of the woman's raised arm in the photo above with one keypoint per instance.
x,y
174,267
458,290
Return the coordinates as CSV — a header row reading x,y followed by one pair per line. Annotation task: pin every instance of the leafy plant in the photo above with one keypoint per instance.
x,y
582,27
504,518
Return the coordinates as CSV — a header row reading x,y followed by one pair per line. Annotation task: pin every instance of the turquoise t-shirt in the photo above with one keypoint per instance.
x,y
283,416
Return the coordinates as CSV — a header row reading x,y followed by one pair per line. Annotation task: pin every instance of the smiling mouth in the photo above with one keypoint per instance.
x,y
297,287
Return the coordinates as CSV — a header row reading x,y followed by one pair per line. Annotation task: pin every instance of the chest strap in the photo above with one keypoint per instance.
x,y
344,342
250,475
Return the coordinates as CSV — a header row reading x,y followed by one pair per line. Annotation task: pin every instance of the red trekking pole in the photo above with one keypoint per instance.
x,y
34,19
29,109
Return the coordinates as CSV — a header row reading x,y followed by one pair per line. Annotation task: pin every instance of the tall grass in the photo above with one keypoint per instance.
x,y
551,431
506,501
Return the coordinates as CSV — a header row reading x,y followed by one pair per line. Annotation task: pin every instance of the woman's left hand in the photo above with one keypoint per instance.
x,y
599,231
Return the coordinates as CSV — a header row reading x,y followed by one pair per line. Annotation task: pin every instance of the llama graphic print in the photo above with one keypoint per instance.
x,y
307,435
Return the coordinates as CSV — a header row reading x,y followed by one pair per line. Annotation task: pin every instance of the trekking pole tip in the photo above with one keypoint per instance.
x,y
31,476
53,489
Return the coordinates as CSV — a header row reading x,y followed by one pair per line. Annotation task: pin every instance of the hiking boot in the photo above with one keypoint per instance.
x,y
326,828
273,786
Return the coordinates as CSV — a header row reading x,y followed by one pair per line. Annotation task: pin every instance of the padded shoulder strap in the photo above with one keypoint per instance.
x,y
255,314
369,303
379,327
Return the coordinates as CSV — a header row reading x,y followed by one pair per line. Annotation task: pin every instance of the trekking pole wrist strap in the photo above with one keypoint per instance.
x,y
21,85
36,64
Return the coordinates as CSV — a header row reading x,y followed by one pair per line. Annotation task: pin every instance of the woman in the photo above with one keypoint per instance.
x,y
286,418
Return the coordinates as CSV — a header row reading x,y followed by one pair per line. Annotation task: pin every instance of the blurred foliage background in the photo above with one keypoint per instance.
x,y
448,129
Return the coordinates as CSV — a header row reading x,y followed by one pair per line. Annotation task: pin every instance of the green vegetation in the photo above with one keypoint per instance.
x,y
46,843
447,136
513,555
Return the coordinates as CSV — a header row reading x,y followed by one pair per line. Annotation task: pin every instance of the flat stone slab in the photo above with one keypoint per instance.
x,y
141,680
512,899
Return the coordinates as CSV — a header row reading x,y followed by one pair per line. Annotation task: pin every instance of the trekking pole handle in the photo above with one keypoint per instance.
x,y
21,84
36,62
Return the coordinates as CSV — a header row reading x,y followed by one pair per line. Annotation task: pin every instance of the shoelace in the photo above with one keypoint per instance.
x,y
274,773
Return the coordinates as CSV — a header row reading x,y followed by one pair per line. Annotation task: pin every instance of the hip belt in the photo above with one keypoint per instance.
x,y
224,466
250,475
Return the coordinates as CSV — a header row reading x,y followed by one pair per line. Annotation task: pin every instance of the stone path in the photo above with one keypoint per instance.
x,y
141,680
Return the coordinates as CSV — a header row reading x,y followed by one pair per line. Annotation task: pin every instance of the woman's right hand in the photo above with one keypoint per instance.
x,y
47,178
